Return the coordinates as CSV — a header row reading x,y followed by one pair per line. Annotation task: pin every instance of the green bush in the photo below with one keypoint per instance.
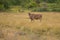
x,y
56,9
39,9
1,7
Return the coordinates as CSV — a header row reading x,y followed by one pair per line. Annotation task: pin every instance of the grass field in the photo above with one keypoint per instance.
x,y
18,26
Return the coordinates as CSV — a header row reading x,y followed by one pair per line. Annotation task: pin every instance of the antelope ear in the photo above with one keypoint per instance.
x,y
29,13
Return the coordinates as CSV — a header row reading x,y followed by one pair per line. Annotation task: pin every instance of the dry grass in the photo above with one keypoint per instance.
x,y
18,26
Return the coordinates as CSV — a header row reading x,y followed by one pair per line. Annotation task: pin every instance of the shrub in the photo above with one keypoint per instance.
x,y
39,9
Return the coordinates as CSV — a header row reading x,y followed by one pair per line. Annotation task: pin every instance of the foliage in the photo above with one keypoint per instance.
x,y
31,4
